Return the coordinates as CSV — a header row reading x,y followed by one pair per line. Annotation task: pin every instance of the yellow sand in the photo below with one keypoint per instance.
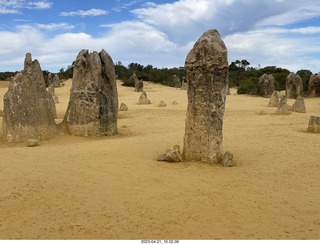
x,y
113,187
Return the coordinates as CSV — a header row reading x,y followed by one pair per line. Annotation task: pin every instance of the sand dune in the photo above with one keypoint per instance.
x,y
113,187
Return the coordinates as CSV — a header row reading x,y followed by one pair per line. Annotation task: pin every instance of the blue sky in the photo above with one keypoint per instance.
x,y
285,33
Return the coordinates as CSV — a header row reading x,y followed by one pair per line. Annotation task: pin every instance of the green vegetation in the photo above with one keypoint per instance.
x,y
241,75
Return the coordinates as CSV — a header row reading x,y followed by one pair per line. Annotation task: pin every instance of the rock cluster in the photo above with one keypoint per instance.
x,y
29,109
171,155
314,86
314,124
274,99
207,76
299,105
93,103
144,99
294,86
266,83
283,107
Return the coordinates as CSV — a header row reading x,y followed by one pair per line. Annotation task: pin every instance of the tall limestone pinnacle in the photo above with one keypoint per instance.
x,y
207,76
93,104
29,109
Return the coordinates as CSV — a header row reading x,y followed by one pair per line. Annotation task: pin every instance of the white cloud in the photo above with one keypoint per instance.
x,y
91,12
14,6
55,26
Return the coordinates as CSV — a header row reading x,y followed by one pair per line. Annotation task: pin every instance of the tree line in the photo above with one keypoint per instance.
x,y
241,75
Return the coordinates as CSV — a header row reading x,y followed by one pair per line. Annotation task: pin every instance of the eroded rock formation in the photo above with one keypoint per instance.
x,y
314,124
93,104
274,99
138,84
266,83
283,107
207,76
294,86
56,81
171,155
29,109
314,86
299,105
123,107
143,99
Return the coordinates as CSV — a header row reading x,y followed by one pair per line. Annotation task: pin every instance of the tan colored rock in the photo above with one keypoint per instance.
x,y
283,107
1,113
144,99
29,109
33,143
184,86
174,102
294,86
176,81
56,100
266,83
207,72
299,105
162,104
138,84
56,81
314,124
227,160
123,107
274,99
171,155
93,103
314,86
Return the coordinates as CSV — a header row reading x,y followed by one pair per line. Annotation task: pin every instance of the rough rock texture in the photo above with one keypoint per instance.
x,y
266,83
144,99
174,102
299,105
123,107
294,86
274,99
93,104
314,124
207,76
227,160
56,81
33,143
283,107
171,155
314,86
29,109
56,100
138,84
162,104
1,113
176,81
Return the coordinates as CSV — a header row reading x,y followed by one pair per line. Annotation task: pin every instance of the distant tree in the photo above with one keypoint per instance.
x,y
305,76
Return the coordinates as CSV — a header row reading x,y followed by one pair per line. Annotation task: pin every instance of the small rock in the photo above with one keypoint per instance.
x,y
283,107
274,100
123,107
1,113
314,124
171,155
227,160
33,142
144,99
262,112
174,103
162,104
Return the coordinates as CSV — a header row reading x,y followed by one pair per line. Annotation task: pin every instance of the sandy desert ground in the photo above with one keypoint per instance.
x,y
113,187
